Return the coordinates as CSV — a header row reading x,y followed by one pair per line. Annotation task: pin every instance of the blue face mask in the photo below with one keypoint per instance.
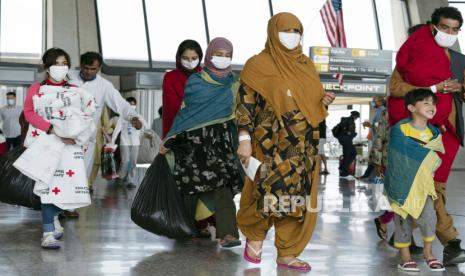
x,y
84,78
373,104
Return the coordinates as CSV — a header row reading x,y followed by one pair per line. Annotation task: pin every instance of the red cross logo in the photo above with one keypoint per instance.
x,y
40,95
35,133
61,113
70,173
56,190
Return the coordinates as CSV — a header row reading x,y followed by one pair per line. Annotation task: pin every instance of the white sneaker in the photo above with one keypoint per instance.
x,y
59,230
49,242
349,177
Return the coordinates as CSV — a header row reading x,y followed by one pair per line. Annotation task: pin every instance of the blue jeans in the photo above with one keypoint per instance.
x,y
49,211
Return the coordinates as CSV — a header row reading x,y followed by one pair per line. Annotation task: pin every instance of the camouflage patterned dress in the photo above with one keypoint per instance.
x,y
286,146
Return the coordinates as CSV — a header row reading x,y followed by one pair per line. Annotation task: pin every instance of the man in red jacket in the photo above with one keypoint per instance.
x,y
426,61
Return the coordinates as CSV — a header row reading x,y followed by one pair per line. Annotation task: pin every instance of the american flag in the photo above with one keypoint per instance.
x,y
331,14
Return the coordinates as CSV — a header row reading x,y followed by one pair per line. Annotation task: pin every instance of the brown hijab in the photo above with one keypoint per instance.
x,y
276,70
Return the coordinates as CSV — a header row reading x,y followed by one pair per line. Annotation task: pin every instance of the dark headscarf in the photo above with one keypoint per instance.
x,y
188,44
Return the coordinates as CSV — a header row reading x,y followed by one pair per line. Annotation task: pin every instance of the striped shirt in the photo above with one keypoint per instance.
x,y
10,119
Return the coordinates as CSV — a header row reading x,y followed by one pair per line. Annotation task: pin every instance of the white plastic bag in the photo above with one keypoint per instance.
x,y
149,147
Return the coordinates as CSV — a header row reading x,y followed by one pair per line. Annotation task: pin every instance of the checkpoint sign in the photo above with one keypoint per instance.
x,y
350,61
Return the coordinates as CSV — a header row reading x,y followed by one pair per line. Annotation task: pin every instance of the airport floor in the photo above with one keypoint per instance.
x,y
104,241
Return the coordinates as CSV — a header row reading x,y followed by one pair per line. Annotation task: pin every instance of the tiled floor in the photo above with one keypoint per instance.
x,y
104,241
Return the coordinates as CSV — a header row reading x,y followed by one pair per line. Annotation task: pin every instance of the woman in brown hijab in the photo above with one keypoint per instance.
x,y
280,105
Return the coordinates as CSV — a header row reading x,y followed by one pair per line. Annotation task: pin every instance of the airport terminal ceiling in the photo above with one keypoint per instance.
x,y
148,41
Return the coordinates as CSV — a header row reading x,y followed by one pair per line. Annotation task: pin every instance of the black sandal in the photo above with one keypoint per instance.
x,y
228,243
204,234
382,234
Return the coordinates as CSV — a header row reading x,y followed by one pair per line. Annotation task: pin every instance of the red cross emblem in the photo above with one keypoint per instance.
x,y
56,190
35,133
70,173
61,113
40,95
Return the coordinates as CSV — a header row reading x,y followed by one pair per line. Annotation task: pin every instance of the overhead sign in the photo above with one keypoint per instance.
x,y
355,87
17,75
352,61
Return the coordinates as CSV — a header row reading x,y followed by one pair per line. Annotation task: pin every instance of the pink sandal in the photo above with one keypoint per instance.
x,y
248,258
435,265
409,266
289,265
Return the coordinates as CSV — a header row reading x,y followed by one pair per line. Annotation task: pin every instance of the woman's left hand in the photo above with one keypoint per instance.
x,y
328,98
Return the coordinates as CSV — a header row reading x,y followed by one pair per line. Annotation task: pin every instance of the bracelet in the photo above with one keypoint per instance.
x,y
433,88
244,138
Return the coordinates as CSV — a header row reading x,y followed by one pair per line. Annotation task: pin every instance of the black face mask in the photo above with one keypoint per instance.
x,y
84,78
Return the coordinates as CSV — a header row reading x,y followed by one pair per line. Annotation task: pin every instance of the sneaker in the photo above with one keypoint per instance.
x,y
415,249
59,230
71,214
131,185
453,253
49,242
348,177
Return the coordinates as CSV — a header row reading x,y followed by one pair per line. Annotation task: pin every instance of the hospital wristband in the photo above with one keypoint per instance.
x,y
244,138
433,88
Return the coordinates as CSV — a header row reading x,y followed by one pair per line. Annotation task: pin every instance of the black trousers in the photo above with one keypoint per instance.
x,y
348,152
12,143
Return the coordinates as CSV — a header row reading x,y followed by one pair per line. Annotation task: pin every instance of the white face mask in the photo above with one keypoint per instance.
x,y
221,62
58,73
11,102
133,107
190,64
289,40
444,39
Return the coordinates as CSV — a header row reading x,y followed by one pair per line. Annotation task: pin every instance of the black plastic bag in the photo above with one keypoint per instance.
x,y
108,164
158,207
15,187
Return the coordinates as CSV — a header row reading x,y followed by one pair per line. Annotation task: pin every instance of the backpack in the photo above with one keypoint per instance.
x,y
336,130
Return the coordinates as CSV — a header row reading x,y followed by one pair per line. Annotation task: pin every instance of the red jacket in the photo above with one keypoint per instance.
x,y
173,93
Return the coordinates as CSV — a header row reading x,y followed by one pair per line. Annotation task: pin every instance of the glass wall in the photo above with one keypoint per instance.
x,y
122,31
21,29
460,5
171,22
243,22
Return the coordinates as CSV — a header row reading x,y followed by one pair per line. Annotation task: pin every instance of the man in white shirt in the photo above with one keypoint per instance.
x,y
129,147
104,93
9,115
